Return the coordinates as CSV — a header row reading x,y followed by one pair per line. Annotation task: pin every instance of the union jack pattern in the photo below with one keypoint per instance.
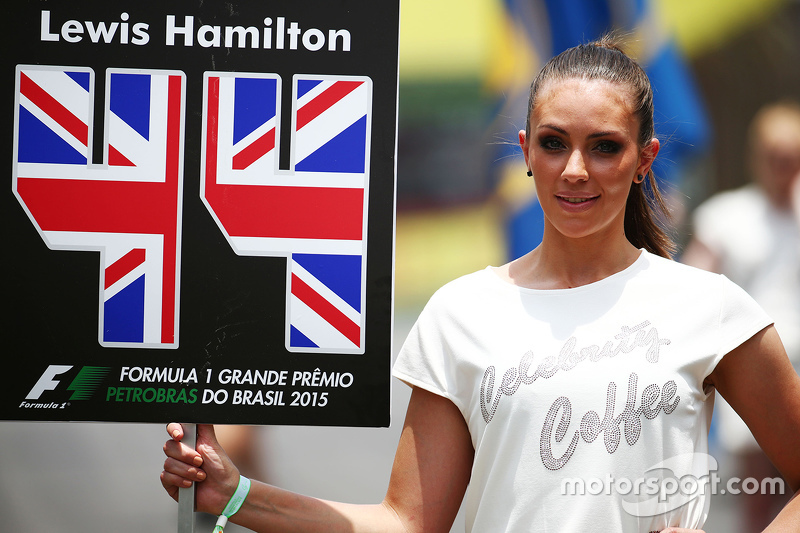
x,y
128,209
315,212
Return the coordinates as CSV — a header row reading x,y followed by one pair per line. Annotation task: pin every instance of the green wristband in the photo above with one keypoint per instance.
x,y
236,501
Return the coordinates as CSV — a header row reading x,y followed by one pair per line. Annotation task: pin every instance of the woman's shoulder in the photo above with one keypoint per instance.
x,y
694,286
694,291
468,294
464,286
663,270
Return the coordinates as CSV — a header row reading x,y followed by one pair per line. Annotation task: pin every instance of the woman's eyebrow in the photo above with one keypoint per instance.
x,y
601,134
564,132
552,127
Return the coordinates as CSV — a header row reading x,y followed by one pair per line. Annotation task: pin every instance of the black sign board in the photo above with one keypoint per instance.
x,y
199,211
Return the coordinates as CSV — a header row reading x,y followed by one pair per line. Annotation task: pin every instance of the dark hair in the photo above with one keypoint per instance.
x,y
645,212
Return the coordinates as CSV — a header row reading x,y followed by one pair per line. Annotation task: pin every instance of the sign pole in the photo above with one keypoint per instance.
x,y
186,495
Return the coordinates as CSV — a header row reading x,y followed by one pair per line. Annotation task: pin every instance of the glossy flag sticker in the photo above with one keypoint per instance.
x,y
129,208
314,213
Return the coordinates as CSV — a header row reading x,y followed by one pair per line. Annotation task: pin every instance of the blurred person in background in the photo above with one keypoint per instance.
x,y
752,236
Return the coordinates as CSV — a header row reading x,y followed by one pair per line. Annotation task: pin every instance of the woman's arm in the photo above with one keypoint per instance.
x,y
761,385
432,466
429,477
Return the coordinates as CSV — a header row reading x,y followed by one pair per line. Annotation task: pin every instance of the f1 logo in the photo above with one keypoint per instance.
x,y
46,381
128,209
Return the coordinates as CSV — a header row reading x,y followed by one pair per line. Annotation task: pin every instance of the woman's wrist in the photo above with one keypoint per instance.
x,y
234,503
222,492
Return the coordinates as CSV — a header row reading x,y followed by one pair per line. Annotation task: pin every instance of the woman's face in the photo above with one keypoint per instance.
x,y
584,154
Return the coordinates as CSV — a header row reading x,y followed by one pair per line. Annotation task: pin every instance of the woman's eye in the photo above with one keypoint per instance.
x,y
551,143
608,147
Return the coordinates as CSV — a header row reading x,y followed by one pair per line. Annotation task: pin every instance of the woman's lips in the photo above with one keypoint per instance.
x,y
576,203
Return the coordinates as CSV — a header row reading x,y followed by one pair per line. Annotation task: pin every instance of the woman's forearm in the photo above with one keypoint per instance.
x,y
788,520
274,510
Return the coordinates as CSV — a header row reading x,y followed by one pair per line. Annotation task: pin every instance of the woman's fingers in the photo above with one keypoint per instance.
x,y
183,470
179,474
173,482
170,485
181,452
175,431
182,465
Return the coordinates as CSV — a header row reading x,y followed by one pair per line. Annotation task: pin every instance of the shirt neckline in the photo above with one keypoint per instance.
x,y
628,271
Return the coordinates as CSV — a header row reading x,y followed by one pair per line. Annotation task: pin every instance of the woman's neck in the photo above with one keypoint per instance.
x,y
563,263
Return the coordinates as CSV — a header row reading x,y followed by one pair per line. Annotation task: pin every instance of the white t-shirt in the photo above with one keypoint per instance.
x,y
586,390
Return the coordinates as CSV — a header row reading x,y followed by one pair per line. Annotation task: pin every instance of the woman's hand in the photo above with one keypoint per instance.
x,y
207,465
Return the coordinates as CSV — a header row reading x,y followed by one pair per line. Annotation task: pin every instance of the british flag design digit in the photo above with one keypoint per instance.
x,y
314,213
129,208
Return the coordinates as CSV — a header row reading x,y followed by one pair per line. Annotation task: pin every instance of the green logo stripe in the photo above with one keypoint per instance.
x,y
87,381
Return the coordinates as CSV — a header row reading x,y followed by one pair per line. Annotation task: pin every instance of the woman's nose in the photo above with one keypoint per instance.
x,y
576,168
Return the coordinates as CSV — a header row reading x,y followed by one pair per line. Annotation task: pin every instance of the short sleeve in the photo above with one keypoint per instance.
x,y
421,361
740,318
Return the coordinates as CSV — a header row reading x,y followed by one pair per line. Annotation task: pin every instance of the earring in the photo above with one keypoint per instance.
x,y
639,179
530,173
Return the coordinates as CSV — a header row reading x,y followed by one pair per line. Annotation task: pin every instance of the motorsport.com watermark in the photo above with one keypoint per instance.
x,y
670,484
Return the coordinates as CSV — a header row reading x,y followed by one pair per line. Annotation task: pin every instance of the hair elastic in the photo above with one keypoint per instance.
x,y
236,501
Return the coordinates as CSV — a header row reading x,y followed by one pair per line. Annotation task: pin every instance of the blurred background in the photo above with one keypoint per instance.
x,y
463,201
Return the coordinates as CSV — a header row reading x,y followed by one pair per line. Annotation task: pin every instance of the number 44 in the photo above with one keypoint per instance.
x,y
130,208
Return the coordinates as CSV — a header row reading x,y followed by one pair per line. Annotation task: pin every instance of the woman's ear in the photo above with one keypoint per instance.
x,y
523,144
647,156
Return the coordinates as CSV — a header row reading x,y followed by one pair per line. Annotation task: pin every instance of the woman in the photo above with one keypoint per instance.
x,y
592,358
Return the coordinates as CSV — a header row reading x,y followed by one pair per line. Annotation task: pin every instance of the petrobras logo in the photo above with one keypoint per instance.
x,y
82,387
